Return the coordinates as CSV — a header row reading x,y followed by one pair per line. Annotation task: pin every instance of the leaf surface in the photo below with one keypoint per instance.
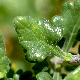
x,y
43,76
4,61
38,37
71,22
74,75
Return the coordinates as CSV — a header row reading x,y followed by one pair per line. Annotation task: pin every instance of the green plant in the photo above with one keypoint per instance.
x,y
4,61
47,44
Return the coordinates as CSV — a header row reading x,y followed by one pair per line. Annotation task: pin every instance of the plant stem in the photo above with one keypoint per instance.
x,y
67,44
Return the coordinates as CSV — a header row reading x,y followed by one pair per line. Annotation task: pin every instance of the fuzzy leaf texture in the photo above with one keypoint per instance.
x,y
43,76
38,37
4,61
71,22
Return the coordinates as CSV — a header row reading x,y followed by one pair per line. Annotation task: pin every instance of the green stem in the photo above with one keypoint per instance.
x,y
67,44
57,73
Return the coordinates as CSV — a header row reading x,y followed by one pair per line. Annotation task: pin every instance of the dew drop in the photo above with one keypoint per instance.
x,y
17,21
39,22
42,57
62,19
71,3
20,18
32,50
37,54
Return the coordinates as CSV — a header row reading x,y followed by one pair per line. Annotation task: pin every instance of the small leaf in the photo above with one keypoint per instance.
x,y
37,38
43,76
4,61
16,77
74,75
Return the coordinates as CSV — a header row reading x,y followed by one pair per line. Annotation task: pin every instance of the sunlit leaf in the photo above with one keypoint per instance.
x,y
38,37
43,76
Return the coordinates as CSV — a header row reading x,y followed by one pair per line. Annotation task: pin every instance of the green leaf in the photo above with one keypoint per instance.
x,y
43,76
4,61
16,77
9,79
71,22
38,37
74,75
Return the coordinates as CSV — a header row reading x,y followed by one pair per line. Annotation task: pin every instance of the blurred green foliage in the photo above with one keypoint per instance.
x,y
34,8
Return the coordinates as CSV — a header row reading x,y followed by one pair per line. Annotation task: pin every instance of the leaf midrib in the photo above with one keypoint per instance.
x,y
70,38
